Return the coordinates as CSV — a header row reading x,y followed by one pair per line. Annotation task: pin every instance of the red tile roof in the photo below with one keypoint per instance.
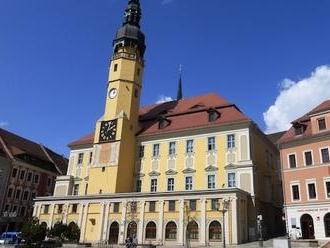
x,y
305,120
182,115
16,146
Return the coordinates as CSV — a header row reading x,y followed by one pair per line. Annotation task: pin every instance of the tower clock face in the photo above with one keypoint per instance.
x,y
113,93
108,131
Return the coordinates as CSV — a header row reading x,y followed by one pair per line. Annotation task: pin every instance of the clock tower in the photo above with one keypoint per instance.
x,y
113,165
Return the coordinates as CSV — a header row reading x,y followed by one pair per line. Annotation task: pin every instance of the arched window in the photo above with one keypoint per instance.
x,y
170,231
215,231
151,230
327,224
192,231
307,227
132,229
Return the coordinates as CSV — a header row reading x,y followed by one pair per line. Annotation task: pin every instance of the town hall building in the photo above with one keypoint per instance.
x,y
194,170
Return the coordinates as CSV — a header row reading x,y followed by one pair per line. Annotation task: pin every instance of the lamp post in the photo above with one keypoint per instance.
x,y
225,207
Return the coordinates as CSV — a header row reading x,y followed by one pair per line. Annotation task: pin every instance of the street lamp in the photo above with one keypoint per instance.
x,y
225,207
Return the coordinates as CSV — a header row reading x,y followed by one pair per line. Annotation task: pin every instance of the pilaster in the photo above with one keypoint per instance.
x,y
66,212
234,223
100,233
141,223
83,225
106,222
52,209
181,223
203,222
122,228
161,222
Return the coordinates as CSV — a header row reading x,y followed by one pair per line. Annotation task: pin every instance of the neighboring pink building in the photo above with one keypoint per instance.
x,y
305,161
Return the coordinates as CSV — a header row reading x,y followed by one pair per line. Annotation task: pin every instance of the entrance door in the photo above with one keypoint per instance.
x,y
307,227
114,232
132,229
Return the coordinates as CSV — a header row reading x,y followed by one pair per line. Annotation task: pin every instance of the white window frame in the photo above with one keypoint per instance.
x,y
214,182
325,180
296,158
172,148
153,188
321,158
191,184
299,190
189,148
141,151
231,143
311,181
213,144
168,185
155,152
82,158
232,172
304,157
318,124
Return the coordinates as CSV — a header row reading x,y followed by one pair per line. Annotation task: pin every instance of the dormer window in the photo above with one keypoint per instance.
x,y
299,129
322,124
213,115
163,122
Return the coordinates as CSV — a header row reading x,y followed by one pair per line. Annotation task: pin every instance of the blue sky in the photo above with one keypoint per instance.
x,y
54,58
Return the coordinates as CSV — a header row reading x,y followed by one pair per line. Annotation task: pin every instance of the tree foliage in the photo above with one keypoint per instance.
x,y
66,232
33,232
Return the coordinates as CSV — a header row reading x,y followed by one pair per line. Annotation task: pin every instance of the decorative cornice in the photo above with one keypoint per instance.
x,y
171,172
154,174
211,168
188,170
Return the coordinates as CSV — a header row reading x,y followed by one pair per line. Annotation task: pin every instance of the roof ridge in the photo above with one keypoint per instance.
x,y
43,148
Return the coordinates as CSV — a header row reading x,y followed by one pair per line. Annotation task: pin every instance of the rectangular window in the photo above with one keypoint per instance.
x,y
325,155
115,68
232,180
295,193
153,187
171,150
18,194
190,146
322,124
10,192
189,183
74,208
214,204
171,206
14,173
327,186
170,184
311,191
7,207
152,206
22,212
155,150
141,151
36,178
211,181
211,144
22,175
46,209
26,195
33,195
59,208
231,141
29,177
192,205
292,161
80,158
76,189
308,158
90,158
138,185
116,207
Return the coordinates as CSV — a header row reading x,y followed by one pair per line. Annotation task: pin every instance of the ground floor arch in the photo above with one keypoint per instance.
x,y
215,231
171,231
192,231
132,229
307,227
151,231
114,233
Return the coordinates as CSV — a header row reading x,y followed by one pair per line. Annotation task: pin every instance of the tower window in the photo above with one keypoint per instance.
x,y
115,68
138,71
136,93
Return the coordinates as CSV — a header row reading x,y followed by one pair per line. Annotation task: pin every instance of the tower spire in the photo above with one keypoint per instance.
x,y
180,95
133,13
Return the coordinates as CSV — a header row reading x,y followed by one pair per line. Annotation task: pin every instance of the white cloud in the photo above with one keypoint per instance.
x,y
162,99
297,98
3,123
164,2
